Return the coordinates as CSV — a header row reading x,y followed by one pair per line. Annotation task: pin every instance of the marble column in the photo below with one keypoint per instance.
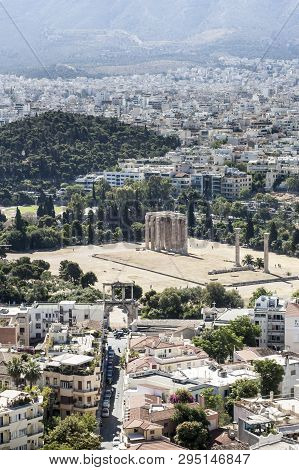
x,y
158,233
237,247
147,231
178,236
266,252
168,231
152,232
162,233
185,227
174,233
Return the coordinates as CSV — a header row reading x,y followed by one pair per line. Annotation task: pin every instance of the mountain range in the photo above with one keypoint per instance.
x,y
74,31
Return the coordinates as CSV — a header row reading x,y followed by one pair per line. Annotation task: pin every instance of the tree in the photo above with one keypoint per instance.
x,y
19,222
295,239
249,230
257,294
192,435
292,184
259,263
137,229
248,260
216,293
15,369
271,375
75,432
170,304
32,372
214,401
2,252
191,218
90,234
273,234
184,412
244,388
88,279
244,327
181,395
77,231
70,271
219,343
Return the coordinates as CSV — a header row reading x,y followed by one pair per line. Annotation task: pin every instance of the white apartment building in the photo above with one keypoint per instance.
x,y
292,327
21,421
119,178
89,180
269,314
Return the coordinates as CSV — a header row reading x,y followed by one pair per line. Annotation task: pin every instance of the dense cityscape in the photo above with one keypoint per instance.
x,y
149,258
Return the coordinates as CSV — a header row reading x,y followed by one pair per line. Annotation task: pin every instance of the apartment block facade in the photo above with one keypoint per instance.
x,y
21,421
75,380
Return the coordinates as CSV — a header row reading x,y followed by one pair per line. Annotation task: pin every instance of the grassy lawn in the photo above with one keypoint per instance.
x,y
27,210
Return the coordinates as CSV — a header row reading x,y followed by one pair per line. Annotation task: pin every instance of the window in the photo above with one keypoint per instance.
x,y
22,331
38,326
152,432
293,372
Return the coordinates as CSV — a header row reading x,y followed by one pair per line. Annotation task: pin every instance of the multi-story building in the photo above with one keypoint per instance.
x,y
292,326
21,421
118,178
31,324
75,380
269,314
14,326
234,182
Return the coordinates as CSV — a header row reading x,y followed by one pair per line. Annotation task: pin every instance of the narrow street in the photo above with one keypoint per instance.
x,y
111,425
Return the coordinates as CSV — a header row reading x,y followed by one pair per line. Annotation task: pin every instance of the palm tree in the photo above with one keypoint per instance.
x,y
15,369
32,372
259,263
248,260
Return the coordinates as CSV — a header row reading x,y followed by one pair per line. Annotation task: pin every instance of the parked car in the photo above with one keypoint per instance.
x,y
119,334
116,441
106,403
105,413
108,393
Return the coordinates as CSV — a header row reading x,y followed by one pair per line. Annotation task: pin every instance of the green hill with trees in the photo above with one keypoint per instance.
x,y
56,147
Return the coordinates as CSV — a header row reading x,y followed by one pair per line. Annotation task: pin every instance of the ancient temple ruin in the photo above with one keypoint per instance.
x,y
166,231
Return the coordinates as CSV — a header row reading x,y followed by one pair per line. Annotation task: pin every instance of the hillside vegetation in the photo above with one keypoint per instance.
x,y
56,147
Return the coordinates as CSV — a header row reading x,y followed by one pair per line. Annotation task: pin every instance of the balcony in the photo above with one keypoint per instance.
x,y
36,432
66,392
85,406
92,390
37,416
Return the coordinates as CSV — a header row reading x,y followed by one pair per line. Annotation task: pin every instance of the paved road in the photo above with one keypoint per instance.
x,y
111,425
